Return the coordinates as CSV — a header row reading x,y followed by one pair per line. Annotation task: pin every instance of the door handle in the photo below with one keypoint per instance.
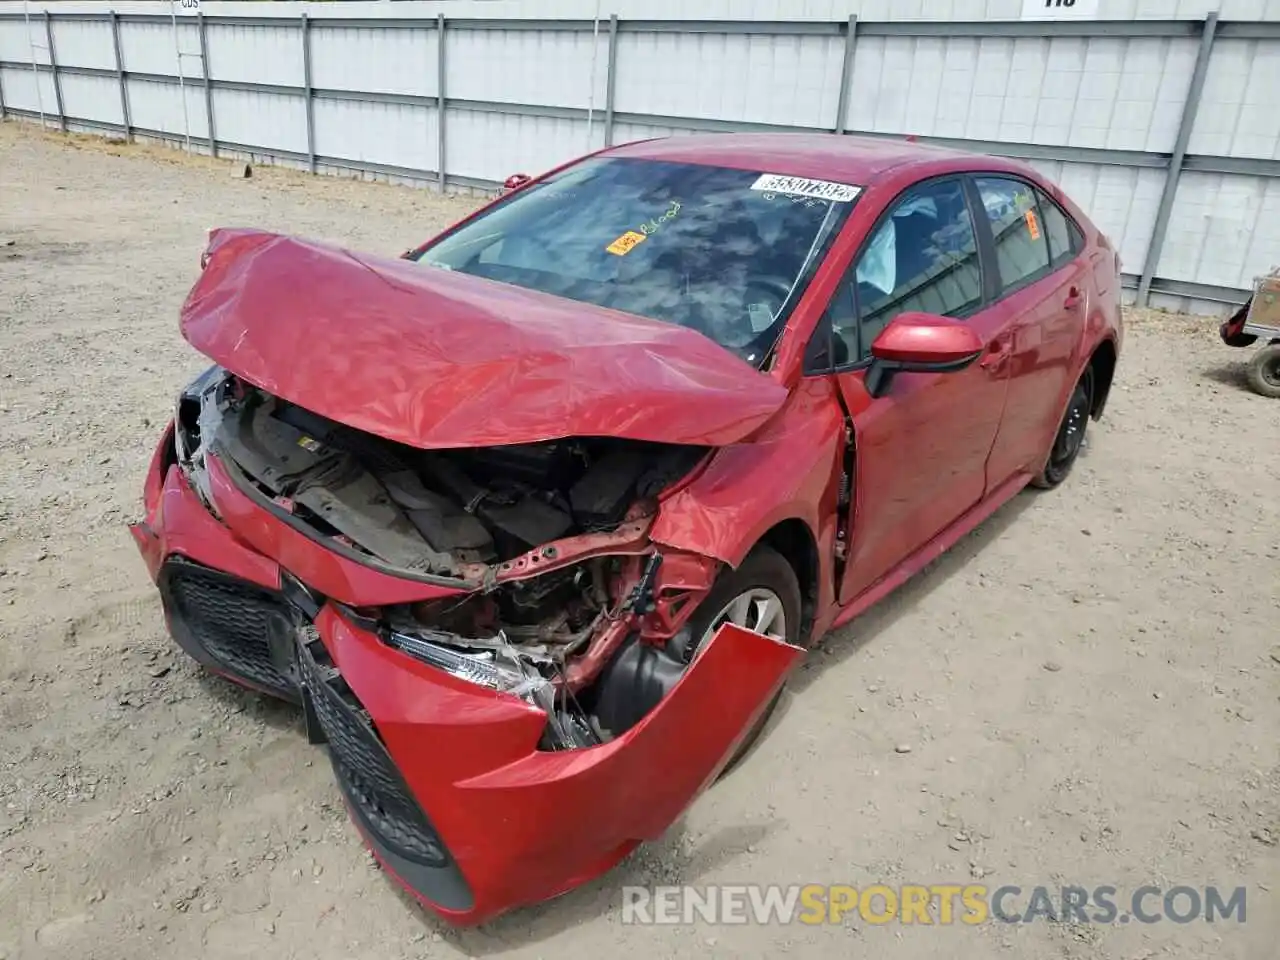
x,y
996,354
1074,299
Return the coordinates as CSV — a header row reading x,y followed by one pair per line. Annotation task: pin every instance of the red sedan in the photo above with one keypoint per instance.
x,y
535,520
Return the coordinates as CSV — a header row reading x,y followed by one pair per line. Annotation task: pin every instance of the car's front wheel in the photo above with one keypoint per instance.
x,y
762,595
1069,440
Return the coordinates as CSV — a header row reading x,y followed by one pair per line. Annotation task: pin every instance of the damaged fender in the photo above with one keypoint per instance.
x,y
789,470
469,757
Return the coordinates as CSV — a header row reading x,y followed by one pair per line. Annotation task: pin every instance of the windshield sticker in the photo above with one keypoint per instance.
x,y
626,243
804,187
655,224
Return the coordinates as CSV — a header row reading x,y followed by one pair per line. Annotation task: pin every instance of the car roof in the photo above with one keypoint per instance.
x,y
846,159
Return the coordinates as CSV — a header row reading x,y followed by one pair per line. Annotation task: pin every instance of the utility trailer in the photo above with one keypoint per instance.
x,y
1259,321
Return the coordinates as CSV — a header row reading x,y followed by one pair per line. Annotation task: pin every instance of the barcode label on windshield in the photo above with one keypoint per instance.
x,y
804,187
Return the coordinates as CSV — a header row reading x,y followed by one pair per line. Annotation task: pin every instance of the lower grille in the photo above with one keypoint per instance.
x,y
364,769
228,620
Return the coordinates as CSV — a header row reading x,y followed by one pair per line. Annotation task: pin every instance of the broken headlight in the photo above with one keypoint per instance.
x,y
502,669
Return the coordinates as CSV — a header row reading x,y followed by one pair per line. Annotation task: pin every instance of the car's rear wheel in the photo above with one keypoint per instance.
x,y
763,595
1069,440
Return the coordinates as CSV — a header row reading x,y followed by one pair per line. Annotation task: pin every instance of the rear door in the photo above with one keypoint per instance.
x,y
922,447
1043,291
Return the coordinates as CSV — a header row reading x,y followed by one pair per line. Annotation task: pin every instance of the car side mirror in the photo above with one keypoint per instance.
x,y
920,343
515,182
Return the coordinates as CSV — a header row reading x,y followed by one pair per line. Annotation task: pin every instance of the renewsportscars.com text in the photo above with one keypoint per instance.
x,y
930,904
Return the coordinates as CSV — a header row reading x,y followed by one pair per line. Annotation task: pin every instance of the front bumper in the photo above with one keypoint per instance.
x,y
443,778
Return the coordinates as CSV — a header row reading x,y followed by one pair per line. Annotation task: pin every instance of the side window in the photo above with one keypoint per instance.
x,y
922,257
1064,236
1022,247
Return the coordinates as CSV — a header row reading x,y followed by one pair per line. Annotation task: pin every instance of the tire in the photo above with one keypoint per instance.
x,y
1069,438
1264,372
764,569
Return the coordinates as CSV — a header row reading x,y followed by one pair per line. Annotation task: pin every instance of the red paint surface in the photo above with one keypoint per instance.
x,y
923,338
519,822
430,358
437,359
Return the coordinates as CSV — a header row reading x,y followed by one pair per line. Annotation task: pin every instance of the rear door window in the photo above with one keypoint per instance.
x,y
1018,231
1065,239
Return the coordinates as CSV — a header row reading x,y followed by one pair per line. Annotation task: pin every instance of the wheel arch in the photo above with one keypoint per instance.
x,y
1103,364
794,539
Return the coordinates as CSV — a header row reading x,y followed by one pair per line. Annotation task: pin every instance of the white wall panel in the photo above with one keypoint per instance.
x,y
784,80
255,54
1121,201
22,92
396,134
629,132
1224,229
551,68
1100,92
261,119
82,43
1239,113
492,146
94,98
150,48
377,59
13,41
1103,93
158,106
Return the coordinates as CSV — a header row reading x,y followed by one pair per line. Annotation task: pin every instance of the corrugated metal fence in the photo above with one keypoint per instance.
x,y
1166,131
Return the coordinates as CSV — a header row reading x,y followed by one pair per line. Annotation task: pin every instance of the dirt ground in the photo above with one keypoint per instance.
x,y
1087,685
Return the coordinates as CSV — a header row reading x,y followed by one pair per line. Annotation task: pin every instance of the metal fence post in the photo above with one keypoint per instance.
x,y
1,95
846,74
124,86
308,93
53,66
208,86
1189,109
611,80
440,103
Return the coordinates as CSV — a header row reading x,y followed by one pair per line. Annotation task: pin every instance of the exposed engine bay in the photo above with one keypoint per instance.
x,y
426,511
445,514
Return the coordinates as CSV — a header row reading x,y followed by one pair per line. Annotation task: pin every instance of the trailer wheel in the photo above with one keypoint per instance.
x,y
1264,371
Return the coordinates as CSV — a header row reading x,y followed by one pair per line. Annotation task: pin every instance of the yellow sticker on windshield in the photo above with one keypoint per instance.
x,y
626,243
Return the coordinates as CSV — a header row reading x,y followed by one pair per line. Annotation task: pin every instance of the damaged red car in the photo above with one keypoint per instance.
x,y
534,520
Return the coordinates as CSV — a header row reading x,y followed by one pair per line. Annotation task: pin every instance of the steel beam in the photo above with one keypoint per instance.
x,y
1189,289
775,28
846,74
308,92
120,76
441,103
1041,29
208,86
1190,108
53,66
611,80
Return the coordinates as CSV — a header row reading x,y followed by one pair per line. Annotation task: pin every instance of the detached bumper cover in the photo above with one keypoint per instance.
x,y
444,778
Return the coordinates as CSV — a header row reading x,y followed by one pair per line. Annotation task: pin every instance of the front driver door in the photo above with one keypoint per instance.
x,y
921,448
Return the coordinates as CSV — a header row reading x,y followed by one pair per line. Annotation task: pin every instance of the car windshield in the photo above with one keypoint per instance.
x,y
724,252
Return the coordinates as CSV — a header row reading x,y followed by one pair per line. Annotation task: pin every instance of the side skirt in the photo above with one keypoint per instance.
x,y
930,552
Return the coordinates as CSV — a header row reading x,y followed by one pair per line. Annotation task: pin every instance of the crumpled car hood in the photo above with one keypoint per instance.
x,y
434,359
